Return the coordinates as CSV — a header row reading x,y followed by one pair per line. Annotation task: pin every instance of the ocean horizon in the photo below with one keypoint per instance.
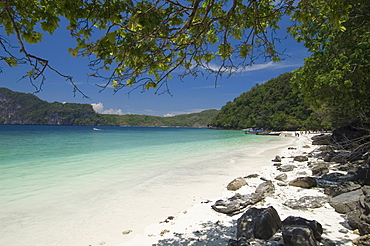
x,y
61,183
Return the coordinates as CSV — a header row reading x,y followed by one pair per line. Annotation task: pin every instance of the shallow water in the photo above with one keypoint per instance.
x,y
59,184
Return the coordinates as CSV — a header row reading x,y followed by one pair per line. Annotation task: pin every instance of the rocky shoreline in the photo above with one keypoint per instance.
x,y
345,185
315,193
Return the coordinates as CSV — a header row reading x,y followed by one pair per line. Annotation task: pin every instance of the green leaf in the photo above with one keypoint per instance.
x,y
150,85
112,37
11,61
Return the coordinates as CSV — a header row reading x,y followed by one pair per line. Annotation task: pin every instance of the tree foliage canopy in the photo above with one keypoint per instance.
x,y
132,42
336,77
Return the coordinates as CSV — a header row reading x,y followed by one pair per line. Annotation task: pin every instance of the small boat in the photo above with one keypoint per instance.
x,y
96,129
251,131
265,133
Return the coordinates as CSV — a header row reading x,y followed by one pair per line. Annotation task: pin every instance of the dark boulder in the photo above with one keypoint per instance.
x,y
340,158
326,148
239,242
334,178
351,167
300,158
306,202
328,156
364,202
237,203
298,236
346,202
286,168
337,189
236,184
320,169
259,223
266,188
250,176
277,159
336,157
313,225
363,176
230,208
327,242
353,219
282,177
322,139
304,182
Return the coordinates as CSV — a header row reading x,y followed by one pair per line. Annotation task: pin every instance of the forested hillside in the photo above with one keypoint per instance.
x,y
201,119
271,105
24,108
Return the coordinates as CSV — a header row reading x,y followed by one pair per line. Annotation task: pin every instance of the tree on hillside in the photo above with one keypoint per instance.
x,y
272,105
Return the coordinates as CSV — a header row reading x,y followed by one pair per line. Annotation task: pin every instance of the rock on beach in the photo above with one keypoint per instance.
x,y
266,188
346,202
300,158
236,184
306,202
258,223
287,168
304,182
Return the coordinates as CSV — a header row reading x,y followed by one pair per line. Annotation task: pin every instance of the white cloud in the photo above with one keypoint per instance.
x,y
99,108
190,111
255,67
269,65
113,111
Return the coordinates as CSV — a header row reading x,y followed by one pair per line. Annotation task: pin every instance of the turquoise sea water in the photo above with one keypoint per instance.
x,y
56,178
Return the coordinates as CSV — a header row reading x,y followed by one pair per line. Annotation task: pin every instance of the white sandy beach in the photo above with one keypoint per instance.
x,y
199,224
188,195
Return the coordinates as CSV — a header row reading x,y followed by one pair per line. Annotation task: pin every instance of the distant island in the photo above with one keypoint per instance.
x,y
18,108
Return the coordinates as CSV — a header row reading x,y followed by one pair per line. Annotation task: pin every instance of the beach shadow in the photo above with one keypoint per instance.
x,y
339,241
211,233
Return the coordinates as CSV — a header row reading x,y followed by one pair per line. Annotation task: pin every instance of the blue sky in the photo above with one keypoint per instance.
x,y
187,96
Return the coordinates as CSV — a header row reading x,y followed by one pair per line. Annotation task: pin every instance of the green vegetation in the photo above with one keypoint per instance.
x,y
201,119
22,108
336,78
272,105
